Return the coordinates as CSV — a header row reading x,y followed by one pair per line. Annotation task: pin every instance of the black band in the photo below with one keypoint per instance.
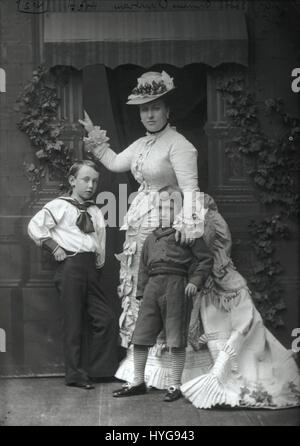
x,y
157,131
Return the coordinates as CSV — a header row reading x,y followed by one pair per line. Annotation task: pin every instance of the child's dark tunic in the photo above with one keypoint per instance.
x,y
165,269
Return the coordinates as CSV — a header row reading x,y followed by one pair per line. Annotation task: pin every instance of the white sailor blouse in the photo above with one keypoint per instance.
x,y
57,221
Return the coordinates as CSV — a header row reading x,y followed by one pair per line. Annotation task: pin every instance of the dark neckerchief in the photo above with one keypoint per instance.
x,y
160,130
84,220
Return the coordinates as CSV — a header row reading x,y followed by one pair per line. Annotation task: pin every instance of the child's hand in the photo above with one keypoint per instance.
x,y
59,254
190,290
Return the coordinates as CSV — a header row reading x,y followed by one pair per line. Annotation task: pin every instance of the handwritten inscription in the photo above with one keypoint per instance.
x,y
162,5
42,6
32,6
82,5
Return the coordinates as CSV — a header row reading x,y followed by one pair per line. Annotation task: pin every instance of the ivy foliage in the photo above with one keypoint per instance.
x,y
274,163
38,104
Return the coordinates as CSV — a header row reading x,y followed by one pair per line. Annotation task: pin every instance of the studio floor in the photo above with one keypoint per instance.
x,y
48,402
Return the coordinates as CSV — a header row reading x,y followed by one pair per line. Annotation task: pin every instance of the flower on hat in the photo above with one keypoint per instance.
x,y
152,84
167,80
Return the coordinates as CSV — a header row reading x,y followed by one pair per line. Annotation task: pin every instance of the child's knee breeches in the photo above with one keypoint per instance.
x,y
164,307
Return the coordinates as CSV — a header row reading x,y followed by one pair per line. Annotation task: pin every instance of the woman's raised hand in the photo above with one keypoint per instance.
x,y
86,122
96,142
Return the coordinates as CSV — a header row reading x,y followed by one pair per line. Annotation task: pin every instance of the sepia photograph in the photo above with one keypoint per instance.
x,y
149,215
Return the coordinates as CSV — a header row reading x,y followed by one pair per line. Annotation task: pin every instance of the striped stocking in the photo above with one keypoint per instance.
x,y
177,361
140,354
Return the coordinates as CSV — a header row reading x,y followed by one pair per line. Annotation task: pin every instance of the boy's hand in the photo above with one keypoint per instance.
x,y
59,254
190,290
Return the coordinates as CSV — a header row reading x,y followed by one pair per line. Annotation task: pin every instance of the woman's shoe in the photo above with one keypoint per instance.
x,y
172,394
130,390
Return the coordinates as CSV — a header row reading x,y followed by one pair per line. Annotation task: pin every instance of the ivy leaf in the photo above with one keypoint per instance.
x,y
232,112
269,103
54,133
31,167
260,180
58,145
41,154
280,306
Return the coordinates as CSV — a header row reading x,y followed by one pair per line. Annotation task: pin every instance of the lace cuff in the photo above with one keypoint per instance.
x,y
96,142
190,220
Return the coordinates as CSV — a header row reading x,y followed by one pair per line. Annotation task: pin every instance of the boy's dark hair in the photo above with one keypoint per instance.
x,y
74,169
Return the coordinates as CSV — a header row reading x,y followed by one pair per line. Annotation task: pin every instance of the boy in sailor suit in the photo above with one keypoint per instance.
x,y
73,230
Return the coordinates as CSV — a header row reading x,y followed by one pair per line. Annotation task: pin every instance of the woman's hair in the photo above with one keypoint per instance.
x,y
74,169
166,101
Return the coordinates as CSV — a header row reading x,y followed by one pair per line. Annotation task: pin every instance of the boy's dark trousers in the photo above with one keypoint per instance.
x,y
77,281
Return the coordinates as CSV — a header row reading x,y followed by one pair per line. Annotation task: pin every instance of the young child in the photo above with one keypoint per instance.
x,y
73,230
250,368
169,276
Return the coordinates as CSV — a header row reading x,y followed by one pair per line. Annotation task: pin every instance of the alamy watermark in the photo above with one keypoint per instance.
x,y
114,209
2,80
296,342
2,340
295,85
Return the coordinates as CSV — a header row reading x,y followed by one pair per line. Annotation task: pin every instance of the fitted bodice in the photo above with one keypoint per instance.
x,y
151,164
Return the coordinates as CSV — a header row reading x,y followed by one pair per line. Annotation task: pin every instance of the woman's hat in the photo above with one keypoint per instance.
x,y
151,86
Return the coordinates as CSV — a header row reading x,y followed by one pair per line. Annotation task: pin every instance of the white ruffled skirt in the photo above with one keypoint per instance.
x,y
250,367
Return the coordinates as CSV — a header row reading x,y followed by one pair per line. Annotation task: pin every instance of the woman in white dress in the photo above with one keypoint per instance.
x,y
250,368
162,158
